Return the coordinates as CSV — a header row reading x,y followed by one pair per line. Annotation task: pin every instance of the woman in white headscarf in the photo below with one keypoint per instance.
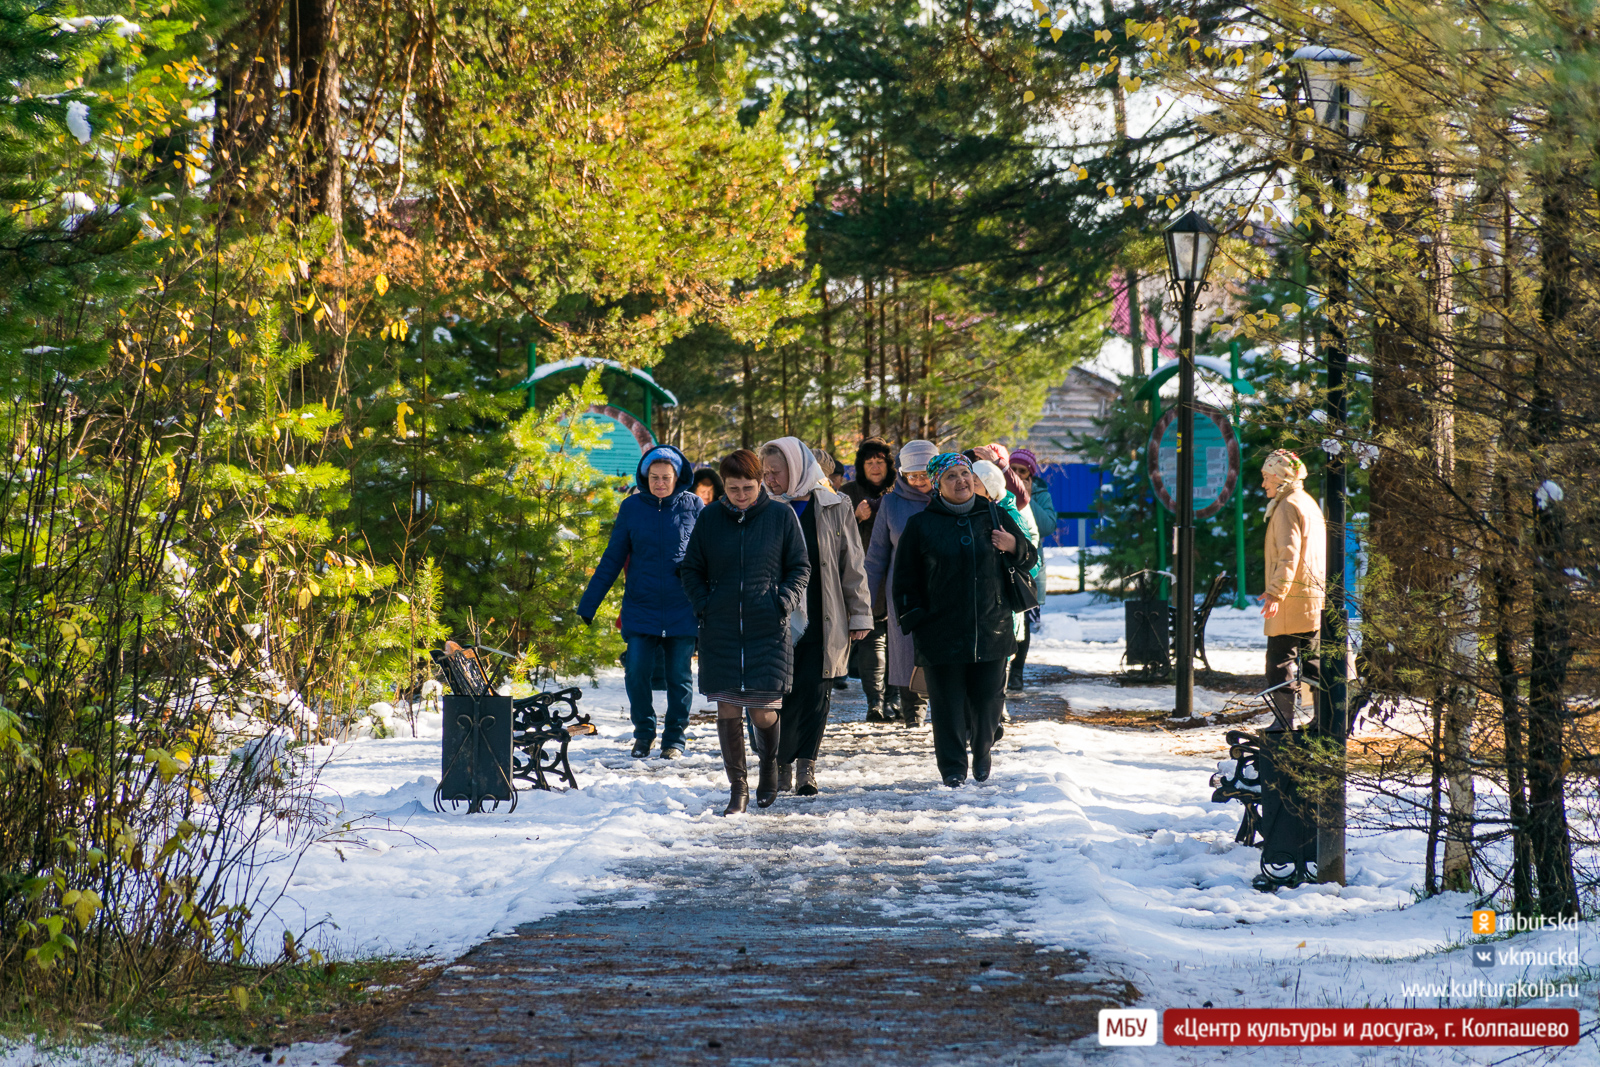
x,y
1296,554
836,610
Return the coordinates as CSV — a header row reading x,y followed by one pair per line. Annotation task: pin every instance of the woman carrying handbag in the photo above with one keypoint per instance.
x,y
959,567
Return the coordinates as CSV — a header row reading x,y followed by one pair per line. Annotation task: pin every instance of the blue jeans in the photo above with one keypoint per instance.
x,y
637,666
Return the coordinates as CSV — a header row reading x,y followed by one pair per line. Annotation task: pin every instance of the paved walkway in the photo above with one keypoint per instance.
x,y
790,936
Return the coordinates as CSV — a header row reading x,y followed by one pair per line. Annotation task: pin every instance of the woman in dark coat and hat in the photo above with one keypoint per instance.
x,y
875,476
950,578
745,573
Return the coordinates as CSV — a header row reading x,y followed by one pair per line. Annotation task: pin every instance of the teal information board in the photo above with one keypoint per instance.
x,y
1216,460
623,442
618,453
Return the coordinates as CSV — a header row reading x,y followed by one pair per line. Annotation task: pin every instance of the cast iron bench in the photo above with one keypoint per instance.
x,y
1144,614
537,722
1276,819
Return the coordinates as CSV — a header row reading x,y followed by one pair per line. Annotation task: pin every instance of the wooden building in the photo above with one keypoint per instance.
x,y
1069,410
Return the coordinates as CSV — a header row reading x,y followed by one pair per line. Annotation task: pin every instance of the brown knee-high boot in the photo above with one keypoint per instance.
x,y
730,732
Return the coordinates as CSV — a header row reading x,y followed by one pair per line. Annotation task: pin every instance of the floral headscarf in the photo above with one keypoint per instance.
x,y
943,462
1290,472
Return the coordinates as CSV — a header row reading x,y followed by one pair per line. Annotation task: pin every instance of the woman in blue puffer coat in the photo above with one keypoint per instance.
x,y
651,533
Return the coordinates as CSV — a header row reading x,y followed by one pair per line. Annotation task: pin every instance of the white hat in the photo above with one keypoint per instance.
x,y
994,483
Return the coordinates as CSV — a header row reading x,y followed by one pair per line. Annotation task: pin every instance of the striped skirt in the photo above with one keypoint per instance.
x,y
748,700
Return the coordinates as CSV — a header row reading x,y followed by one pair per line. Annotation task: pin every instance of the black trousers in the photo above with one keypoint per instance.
x,y
1281,652
805,706
868,662
964,702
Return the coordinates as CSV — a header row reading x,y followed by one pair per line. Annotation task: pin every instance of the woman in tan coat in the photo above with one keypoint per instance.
x,y
1296,553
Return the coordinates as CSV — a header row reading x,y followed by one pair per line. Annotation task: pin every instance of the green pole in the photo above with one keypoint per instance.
x,y
1238,496
533,364
647,412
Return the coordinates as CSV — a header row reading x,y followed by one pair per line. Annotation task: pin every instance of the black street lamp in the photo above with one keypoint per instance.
x,y
1325,74
1341,108
1191,242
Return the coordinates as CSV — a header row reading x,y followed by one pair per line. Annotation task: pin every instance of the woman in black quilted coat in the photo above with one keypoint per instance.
x,y
950,576
745,571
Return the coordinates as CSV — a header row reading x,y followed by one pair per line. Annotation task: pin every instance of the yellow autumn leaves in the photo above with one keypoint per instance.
x,y
1047,19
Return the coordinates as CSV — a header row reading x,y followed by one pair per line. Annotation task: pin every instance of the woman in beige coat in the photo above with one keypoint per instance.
x,y
1296,553
836,612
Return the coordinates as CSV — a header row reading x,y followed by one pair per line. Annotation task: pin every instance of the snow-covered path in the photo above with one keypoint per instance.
x,y
1095,840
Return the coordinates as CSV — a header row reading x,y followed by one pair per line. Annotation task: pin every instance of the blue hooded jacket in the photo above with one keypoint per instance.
x,y
650,536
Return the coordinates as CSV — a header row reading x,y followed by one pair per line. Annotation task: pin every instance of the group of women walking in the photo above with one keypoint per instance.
x,y
918,576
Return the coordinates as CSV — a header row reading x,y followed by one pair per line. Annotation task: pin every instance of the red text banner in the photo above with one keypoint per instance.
x,y
1370,1026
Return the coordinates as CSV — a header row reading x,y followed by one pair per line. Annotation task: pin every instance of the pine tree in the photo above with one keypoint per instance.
x,y
68,227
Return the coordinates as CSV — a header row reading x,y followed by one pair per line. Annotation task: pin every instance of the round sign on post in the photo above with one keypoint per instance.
x,y
1216,460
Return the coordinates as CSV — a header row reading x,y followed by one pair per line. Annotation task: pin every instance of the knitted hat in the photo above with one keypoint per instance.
x,y
1290,472
668,456
1024,457
994,483
1285,466
914,456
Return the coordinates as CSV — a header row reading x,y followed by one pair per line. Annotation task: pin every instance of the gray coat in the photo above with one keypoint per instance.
x,y
845,605
899,504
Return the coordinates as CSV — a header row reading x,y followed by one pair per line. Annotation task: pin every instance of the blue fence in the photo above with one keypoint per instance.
x,y
1074,487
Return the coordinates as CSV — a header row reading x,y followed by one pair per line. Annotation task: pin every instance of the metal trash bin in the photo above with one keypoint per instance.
x,y
1148,626
476,754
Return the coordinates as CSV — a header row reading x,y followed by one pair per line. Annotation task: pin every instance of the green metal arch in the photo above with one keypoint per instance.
x,y
1158,378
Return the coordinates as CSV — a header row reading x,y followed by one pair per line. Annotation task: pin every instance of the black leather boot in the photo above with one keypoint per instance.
x,y
805,777
731,733
785,777
765,740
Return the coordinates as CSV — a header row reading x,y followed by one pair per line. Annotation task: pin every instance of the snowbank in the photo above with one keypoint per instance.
x,y
1110,833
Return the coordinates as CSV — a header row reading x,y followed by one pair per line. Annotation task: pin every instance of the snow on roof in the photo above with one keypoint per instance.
x,y
544,370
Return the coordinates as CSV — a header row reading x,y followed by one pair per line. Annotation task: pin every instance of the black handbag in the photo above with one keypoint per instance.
x,y
1018,585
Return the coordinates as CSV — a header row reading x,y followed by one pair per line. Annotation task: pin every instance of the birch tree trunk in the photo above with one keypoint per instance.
x,y
1460,705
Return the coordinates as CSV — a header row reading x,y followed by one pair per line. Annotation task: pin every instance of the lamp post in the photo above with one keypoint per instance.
x,y
1341,108
1191,241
